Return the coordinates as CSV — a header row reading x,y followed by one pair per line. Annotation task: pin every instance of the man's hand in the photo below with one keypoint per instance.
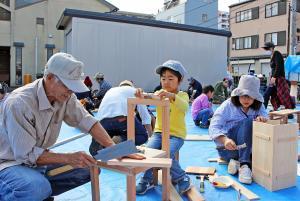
x,y
139,93
261,119
229,144
80,160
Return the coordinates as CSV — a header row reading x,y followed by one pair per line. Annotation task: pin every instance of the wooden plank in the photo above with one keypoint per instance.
x,y
284,112
200,170
245,191
94,171
148,162
219,160
198,138
130,121
194,195
59,170
166,184
131,189
174,195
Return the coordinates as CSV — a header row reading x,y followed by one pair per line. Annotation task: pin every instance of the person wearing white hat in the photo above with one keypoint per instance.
x,y
32,118
231,125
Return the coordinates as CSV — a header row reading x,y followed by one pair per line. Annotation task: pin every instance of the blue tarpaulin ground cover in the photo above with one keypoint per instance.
x,y
193,153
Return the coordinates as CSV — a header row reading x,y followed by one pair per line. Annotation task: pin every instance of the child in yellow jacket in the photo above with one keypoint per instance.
x,y
171,75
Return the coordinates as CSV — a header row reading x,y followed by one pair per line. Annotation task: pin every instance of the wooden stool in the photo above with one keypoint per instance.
x,y
282,115
131,172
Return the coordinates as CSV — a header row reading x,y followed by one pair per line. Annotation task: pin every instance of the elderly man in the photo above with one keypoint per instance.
x,y
32,118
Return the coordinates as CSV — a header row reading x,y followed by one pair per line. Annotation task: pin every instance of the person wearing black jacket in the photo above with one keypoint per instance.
x,y
278,88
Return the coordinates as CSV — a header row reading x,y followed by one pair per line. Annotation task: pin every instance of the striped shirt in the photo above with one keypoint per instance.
x,y
31,124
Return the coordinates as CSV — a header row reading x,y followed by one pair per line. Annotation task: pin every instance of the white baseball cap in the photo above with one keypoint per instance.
x,y
68,70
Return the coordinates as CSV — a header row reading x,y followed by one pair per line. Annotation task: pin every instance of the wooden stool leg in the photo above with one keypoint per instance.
x,y
298,119
131,189
94,172
155,176
166,184
285,119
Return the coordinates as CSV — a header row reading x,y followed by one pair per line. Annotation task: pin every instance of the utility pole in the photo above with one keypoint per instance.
x,y
293,28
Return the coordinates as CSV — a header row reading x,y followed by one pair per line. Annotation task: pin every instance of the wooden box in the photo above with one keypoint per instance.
x,y
274,154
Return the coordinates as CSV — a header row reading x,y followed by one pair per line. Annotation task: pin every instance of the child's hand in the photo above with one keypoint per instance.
x,y
261,119
139,93
229,144
164,94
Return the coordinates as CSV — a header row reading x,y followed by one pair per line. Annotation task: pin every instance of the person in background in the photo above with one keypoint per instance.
x,y
104,86
32,119
221,92
278,88
195,89
202,107
112,114
3,93
231,125
171,75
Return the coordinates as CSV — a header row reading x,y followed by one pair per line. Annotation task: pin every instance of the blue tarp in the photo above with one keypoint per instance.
x,y
193,153
292,65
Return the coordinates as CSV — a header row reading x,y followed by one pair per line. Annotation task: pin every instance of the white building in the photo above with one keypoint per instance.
x,y
130,48
202,13
223,20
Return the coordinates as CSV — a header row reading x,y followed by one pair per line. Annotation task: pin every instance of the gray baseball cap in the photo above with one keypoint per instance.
x,y
68,70
173,65
248,85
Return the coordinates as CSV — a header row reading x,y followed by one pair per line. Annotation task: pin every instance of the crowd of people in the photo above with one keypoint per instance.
x,y
32,115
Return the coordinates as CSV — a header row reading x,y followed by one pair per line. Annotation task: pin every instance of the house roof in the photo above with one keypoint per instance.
x,y
240,3
69,13
25,3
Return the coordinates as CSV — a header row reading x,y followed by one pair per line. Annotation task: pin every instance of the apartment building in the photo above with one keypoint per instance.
x,y
253,23
223,20
28,34
202,13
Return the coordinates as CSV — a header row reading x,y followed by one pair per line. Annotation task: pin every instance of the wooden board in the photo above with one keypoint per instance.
x,y
200,170
245,191
198,138
219,160
59,170
174,195
148,162
284,112
194,195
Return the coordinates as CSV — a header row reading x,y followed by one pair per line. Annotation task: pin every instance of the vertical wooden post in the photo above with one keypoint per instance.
x,y
94,174
166,127
130,122
131,189
166,184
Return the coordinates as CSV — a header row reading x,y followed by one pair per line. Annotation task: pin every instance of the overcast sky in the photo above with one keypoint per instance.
x,y
152,6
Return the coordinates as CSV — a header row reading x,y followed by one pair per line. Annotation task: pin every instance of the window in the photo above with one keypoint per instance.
x,y
204,17
18,65
4,14
50,48
40,20
278,38
249,42
246,15
5,2
274,9
298,39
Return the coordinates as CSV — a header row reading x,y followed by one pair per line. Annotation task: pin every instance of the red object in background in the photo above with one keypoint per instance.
x,y
88,82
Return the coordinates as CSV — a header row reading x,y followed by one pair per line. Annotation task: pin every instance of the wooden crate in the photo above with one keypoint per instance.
x,y
274,155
